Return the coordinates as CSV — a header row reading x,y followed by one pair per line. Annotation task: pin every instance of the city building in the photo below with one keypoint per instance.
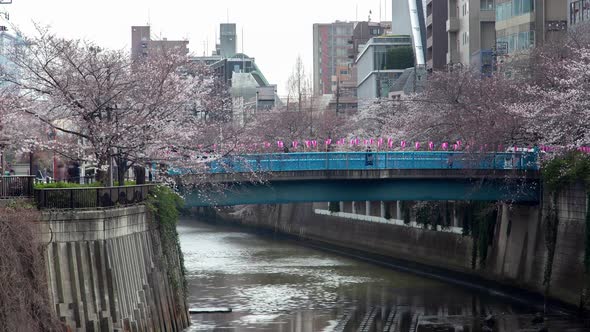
x,y
227,40
407,18
331,48
375,73
524,24
142,44
471,31
578,11
248,87
363,31
8,44
436,35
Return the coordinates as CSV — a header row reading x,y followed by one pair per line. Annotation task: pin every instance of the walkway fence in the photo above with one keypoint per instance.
x,y
279,162
16,186
91,197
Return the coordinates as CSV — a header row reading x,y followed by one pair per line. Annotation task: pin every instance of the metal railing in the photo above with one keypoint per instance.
x,y
280,162
91,197
16,186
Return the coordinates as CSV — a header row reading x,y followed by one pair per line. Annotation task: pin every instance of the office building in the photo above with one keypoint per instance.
x,y
142,44
331,48
227,40
524,24
436,34
471,31
376,74
408,19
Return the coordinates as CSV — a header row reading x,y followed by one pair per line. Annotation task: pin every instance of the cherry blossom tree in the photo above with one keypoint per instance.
x,y
104,105
557,105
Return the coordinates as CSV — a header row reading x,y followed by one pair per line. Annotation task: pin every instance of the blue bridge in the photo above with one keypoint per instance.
x,y
371,176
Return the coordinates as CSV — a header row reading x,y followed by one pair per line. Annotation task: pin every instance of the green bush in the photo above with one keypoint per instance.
x,y
166,206
573,167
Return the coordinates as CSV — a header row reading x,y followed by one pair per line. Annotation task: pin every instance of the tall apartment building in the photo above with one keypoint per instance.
x,y
578,12
471,31
331,46
524,24
142,44
436,34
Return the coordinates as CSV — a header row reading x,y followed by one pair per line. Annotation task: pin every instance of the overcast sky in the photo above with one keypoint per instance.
x,y
275,31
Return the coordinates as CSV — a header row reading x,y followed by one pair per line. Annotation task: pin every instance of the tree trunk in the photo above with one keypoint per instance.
x,y
139,174
101,176
121,169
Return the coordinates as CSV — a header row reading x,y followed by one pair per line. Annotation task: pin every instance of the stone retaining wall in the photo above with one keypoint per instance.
x,y
105,271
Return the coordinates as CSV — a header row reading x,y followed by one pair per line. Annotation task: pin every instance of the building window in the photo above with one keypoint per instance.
x,y
519,41
507,10
579,11
487,5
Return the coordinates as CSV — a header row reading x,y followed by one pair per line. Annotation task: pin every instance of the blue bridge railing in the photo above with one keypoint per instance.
x,y
281,162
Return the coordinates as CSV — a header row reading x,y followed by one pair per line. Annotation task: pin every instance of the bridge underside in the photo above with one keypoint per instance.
x,y
281,192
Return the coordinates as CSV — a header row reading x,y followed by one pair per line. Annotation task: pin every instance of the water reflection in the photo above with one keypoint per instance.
x,y
276,285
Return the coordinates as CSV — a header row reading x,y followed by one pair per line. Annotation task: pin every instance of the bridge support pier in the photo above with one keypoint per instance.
x,y
398,210
367,208
382,209
353,207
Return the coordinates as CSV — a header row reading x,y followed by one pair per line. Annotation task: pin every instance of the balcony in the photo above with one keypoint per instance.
x,y
429,42
453,24
487,16
429,20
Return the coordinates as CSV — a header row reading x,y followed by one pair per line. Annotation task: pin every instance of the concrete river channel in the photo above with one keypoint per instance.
x,y
273,283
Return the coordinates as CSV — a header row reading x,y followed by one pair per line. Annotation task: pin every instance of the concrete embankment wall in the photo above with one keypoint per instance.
x,y
517,256
105,272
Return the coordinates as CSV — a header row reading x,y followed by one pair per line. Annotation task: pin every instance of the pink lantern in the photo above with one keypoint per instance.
x,y
417,145
430,146
307,143
403,144
295,143
455,147
458,144
328,141
280,144
314,143
390,142
445,146
371,141
380,141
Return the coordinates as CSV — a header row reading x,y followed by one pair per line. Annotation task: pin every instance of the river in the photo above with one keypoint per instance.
x,y
276,284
